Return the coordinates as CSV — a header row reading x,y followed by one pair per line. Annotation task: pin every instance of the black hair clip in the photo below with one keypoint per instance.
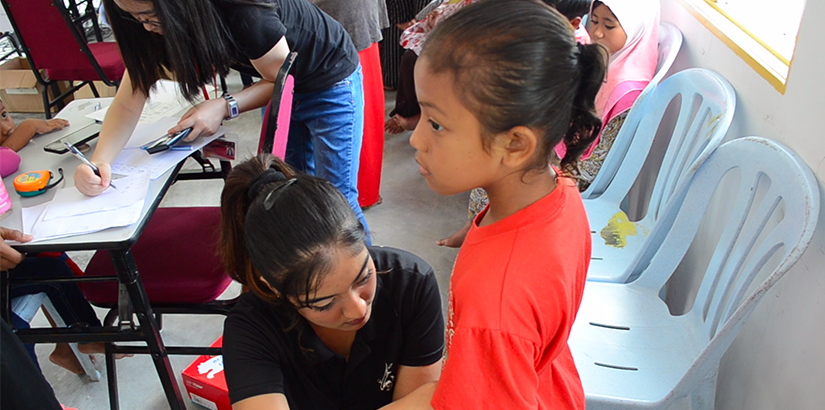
x,y
276,193
257,184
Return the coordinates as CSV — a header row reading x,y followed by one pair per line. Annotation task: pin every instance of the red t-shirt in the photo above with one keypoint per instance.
x,y
515,290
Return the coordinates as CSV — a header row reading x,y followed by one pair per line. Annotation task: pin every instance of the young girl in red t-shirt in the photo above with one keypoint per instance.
x,y
500,83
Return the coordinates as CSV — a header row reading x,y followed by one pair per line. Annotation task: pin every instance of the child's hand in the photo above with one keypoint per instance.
x,y
432,17
50,125
405,25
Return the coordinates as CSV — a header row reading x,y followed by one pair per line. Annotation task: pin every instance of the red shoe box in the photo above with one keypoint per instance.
x,y
205,382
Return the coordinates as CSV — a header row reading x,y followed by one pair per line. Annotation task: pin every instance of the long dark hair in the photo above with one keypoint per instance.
x,y
195,46
516,63
284,227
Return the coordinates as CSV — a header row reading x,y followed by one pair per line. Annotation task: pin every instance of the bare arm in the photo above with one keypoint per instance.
x,y
31,127
411,378
275,401
206,117
419,399
118,125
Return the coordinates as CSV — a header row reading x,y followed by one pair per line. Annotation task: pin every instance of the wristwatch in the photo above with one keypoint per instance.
x,y
234,111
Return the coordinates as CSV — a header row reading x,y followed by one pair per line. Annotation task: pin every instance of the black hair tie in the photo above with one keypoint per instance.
x,y
268,176
582,50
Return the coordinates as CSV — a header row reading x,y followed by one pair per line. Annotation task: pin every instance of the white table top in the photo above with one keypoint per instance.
x,y
34,158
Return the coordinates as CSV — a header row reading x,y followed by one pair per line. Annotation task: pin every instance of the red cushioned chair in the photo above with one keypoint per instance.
x,y
53,43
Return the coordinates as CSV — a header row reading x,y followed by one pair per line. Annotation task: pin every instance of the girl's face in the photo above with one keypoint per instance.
x,y
141,12
343,299
447,140
606,30
7,126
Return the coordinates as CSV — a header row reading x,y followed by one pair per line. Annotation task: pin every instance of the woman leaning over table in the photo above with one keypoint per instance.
x,y
192,41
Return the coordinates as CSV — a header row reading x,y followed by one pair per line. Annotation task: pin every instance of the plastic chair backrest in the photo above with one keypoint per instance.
x,y
775,222
274,134
48,37
698,131
670,42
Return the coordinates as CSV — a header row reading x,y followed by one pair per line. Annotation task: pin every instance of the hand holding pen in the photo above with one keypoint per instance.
x,y
79,155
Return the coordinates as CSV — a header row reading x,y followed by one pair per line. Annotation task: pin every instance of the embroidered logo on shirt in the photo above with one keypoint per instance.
x,y
385,383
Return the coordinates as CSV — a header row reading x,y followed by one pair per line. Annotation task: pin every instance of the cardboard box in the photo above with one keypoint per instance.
x,y
205,382
19,89
102,89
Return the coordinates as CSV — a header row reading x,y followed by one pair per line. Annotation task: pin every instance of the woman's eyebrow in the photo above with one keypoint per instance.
x,y
357,278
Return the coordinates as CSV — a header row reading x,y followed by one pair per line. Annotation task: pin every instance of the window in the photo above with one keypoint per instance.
x,y
762,32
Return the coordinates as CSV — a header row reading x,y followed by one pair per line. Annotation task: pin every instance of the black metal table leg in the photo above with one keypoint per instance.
x,y
111,378
127,271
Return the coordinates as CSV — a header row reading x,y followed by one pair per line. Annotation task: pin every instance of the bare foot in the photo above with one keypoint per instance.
x,y
407,123
64,357
391,126
98,348
457,239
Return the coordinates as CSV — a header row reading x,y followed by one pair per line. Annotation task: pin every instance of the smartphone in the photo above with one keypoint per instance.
x,y
75,138
166,142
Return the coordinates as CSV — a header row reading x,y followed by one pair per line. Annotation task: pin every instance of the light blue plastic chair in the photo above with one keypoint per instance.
x,y
670,42
707,106
631,352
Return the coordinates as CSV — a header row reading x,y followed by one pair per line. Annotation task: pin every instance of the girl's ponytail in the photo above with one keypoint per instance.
x,y
585,123
238,195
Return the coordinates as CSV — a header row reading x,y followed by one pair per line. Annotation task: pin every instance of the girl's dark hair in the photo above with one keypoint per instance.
x,y
195,46
571,8
285,227
529,74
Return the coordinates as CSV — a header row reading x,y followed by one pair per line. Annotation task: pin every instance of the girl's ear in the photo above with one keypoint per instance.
x,y
519,145
576,22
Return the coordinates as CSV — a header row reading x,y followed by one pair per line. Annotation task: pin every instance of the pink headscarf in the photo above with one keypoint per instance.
x,y
633,66
636,61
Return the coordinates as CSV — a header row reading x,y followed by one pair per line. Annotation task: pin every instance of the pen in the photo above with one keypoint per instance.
x,y
83,159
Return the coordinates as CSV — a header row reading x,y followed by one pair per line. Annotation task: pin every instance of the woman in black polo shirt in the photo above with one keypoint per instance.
x,y
193,41
329,323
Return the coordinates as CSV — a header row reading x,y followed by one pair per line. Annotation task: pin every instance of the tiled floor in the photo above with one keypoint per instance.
x,y
411,217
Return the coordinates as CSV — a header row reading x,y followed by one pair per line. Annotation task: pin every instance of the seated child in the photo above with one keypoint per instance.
x,y
17,136
630,31
67,298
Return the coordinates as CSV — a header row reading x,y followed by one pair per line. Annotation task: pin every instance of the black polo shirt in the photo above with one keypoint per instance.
x,y
326,54
406,328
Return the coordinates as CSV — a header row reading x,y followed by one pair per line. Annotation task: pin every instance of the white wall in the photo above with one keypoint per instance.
x,y
778,360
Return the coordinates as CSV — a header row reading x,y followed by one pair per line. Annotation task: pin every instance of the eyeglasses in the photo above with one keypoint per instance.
x,y
128,17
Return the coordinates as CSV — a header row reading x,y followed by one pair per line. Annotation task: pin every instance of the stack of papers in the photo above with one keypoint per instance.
x,y
72,213
135,160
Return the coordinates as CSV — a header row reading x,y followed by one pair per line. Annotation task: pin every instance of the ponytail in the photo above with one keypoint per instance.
x,y
585,123
235,203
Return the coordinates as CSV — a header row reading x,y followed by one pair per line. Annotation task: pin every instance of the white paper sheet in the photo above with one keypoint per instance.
x,y
83,224
133,160
70,202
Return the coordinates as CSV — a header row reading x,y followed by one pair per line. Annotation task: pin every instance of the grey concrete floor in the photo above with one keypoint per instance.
x,y
411,217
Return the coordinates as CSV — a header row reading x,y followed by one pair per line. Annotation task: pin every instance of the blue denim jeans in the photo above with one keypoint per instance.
x,y
325,135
